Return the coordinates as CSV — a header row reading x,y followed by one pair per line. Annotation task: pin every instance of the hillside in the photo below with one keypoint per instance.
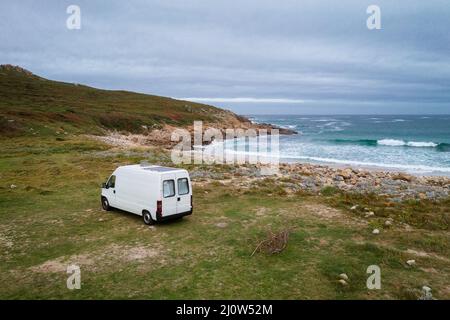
x,y
30,105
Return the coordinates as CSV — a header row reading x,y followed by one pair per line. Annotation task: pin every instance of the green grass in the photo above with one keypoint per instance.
x,y
425,214
54,214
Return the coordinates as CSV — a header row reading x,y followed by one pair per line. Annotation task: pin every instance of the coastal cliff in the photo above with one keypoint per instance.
x,y
31,105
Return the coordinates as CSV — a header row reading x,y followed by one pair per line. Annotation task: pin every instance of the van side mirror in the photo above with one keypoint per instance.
x,y
104,185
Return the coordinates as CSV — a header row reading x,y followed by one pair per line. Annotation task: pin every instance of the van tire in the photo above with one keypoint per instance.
x,y
147,217
105,204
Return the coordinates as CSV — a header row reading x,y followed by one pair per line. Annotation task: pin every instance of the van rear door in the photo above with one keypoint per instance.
x,y
169,196
184,193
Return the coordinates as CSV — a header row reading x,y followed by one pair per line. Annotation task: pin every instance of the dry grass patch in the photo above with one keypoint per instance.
x,y
99,258
323,211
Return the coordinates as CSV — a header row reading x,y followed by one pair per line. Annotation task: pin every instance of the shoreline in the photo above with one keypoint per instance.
x,y
395,184
344,164
157,138
416,169
374,168
314,178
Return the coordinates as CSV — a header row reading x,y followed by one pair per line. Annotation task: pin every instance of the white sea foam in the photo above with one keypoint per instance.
x,y
391,142
323,120
411,168
399,143
422,144
294,151
289,126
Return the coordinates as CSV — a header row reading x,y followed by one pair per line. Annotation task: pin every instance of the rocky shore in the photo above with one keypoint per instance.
x,y
293,177
396,186
162,137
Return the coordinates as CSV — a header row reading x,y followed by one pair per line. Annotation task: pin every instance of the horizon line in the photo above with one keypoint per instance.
x,y
242,100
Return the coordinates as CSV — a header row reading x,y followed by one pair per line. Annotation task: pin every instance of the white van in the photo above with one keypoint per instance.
x,y
156,193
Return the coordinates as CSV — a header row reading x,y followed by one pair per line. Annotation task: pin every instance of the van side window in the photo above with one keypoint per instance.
x,y
183,186
111,182
168,188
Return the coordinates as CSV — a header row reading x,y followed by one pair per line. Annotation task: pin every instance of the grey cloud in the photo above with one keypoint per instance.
x,y
317,52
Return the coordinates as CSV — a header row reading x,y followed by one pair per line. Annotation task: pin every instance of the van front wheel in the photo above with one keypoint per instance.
x,y
147,218
105,204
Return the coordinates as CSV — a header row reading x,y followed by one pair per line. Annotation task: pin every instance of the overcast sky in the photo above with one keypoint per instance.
x,y
251,56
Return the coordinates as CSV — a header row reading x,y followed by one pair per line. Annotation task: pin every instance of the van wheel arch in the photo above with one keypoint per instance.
x,y
147,217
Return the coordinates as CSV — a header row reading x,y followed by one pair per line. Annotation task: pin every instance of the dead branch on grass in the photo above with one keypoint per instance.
x,y
274,242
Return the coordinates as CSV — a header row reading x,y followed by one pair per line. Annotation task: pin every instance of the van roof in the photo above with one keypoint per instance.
x,y
160,169
151,168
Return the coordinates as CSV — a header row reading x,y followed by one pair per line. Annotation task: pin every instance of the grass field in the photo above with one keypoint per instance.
x,y
50,217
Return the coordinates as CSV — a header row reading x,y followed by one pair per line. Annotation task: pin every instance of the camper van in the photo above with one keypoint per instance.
x,y
156,193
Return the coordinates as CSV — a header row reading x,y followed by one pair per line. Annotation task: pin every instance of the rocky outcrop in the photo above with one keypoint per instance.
x,y
395,185
314,178
17,70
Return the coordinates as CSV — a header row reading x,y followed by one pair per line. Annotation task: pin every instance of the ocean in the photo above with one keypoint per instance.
x,y
417,144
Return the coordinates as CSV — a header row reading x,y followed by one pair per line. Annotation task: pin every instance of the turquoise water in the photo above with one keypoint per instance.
x,y
417,144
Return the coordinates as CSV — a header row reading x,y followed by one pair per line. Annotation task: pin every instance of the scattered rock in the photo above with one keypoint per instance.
x,y
376,231
343,282
343,276
13,186
403,177
354,207
346,173
395,187
369,214
426,293
426,289
411,262
431,195
388,223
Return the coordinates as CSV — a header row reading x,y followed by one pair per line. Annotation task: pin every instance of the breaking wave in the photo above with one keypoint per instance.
x,y
412,167
445,147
